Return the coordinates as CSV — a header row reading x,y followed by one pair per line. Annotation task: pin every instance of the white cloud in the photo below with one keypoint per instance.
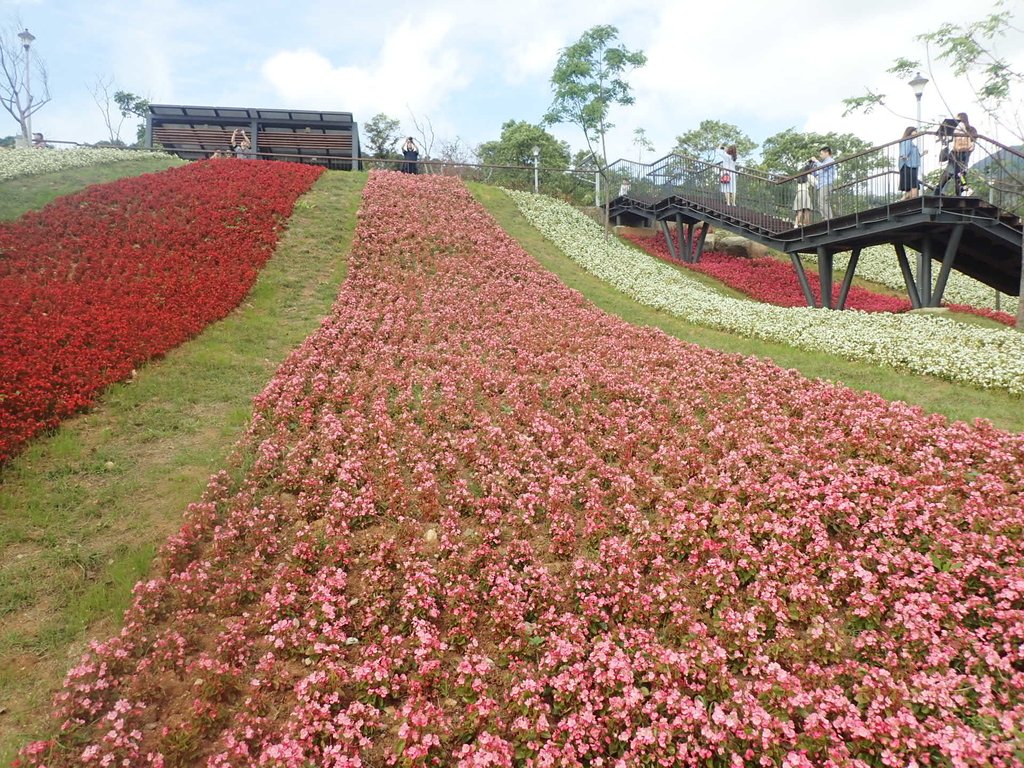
x,y
769,66
470,65
415,70
532,57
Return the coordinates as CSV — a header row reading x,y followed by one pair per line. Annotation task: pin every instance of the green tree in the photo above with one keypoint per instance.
x,y
703,141
587,80
642,143
515,146
785,153
382,133
132,105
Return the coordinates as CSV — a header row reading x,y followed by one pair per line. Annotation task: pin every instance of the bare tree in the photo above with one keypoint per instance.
x,y
456,152
425,130
101,94
18,64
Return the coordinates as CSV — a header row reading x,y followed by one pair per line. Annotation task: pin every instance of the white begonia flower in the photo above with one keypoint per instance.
x,y
983,357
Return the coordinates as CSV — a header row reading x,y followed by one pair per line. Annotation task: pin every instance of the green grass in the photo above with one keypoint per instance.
x,y
83,511
31,192
932,394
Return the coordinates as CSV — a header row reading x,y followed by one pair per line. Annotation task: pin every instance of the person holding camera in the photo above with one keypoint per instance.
x,y
957,146
411,155
241,144
960,153
825,175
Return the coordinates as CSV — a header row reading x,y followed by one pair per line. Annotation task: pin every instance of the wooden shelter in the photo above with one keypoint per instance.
x,y
330,139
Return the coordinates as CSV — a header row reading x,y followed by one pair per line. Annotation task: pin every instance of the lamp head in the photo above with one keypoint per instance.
x,y
26,38
918,84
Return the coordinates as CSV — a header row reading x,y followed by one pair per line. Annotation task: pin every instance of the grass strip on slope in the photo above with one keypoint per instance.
x,y
82,512
930,393
27,193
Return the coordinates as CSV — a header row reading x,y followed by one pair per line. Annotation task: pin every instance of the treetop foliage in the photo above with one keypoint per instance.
x,y
589,78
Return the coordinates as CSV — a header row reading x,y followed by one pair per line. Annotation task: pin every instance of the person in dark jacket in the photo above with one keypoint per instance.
x,y
411,155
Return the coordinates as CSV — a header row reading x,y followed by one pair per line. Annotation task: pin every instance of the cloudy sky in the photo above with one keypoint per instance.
x,y
470,65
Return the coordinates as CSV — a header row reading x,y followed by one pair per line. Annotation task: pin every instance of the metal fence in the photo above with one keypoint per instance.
x,y
863,181
570,184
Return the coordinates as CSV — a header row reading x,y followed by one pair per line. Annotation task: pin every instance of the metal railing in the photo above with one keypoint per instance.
x,y
866,180
863,181
575,185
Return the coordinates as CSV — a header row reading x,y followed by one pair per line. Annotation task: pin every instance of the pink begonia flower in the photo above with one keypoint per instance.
x,y
646,552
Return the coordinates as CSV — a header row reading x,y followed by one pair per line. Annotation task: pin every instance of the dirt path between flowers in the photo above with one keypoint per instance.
x,y
83,512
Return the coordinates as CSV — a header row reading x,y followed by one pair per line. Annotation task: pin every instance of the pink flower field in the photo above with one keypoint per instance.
x,y
478,523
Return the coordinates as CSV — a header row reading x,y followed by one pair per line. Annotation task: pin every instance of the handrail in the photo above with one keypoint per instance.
x,y
867,179
980,138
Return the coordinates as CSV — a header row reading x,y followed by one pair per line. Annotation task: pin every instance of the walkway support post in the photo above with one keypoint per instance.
x,y
669,240
700,242
924,273
825,276
947,264
848,278
689,230
908,276
682,236
798,265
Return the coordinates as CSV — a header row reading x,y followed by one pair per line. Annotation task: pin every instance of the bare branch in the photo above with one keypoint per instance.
x,y
16,97
100,91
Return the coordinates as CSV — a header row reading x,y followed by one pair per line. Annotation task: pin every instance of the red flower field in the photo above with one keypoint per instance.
x,y
767,279
775,282
100,281
992,314
483,524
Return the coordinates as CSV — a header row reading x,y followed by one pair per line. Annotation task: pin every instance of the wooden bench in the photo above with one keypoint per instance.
x,y
201,138
305,140
174,135
206,141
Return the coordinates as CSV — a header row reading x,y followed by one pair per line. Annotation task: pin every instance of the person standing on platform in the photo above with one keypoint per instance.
x,y
910,164
411,155
960,153
826,177
802,204
727,177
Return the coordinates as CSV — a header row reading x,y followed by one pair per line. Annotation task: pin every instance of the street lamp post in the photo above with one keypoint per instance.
x,y
536,167
924,279
26,38
918,84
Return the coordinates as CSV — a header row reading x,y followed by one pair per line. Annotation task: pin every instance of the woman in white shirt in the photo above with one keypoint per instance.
x,y
727,178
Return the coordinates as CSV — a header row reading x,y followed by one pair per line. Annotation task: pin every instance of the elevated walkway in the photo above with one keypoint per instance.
x,y
979,235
